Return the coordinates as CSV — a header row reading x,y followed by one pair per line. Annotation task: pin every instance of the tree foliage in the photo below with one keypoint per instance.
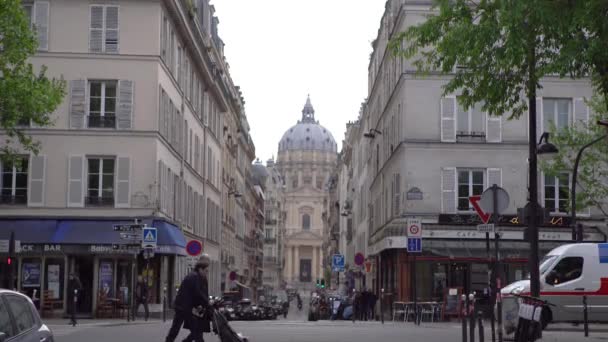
x,y
592,179
26,96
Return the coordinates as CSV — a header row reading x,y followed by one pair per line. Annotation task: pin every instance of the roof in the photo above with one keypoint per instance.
x,y
308,134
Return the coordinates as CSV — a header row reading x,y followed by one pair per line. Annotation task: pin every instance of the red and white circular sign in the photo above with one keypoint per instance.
x,y
414,229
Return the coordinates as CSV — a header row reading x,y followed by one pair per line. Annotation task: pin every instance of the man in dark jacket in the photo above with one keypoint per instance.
x,y
141,297
192,293
74,288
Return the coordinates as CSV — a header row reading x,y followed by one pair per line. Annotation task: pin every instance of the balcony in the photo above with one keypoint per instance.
x,y
13,200
108,121
270,240
99,201
270,260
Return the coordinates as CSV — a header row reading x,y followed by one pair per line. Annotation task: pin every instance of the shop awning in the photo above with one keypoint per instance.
x,y
170,238
28,231
455,249
88,232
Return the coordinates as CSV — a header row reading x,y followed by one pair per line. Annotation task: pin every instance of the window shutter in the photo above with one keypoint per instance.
x,y
161,113
581,112
493,128
448,190
78,103
96,29
125,104
36,188
494,176
111,30
41,22
448,119
76,181
123,186
539,117
161,183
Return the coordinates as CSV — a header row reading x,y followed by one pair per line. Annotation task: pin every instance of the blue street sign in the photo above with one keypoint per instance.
x,y
337,263
414,245
149,237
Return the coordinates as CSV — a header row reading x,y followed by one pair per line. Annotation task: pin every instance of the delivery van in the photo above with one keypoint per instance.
x,y
567,273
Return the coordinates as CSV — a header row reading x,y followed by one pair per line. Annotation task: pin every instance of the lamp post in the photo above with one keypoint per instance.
x,y
577,229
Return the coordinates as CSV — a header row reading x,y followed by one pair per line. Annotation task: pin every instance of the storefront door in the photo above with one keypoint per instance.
x,y
459,276
83,269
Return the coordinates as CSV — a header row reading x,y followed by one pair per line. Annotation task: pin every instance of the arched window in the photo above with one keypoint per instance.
x,y
306,222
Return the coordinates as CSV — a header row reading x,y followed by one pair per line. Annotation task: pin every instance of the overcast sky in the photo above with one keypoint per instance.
x,y
281,50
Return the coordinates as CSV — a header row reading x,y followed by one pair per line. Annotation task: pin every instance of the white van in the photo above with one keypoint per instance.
x,y
567,273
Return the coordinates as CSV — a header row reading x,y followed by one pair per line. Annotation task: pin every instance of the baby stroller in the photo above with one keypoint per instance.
x,y
220,324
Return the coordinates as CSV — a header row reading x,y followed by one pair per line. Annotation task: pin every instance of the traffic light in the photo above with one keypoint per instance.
x,y
9,261
322,283
318,283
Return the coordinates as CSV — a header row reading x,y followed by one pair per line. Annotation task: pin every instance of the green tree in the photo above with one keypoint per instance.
x,y
26,96
592,179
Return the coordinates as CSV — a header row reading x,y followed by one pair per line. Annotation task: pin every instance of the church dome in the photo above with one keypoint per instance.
x,y
307,134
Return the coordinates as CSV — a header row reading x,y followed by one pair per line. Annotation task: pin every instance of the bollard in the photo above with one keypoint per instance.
x,y
471,313
585,316
74,308
382,305
165,303
480,326
464,320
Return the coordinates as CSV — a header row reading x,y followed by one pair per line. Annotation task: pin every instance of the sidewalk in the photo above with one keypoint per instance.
x,y
109,322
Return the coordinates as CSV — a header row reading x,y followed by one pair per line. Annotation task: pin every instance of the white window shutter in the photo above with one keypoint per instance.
x,y
36,187
76,181
161,183
448,190
581,112
41,22
448,119
493,128
539,118
125,104
397,194
494,176
123,184
78,103
111,34
96,29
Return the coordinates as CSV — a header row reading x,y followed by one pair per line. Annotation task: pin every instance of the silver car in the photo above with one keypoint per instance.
x,y
19,319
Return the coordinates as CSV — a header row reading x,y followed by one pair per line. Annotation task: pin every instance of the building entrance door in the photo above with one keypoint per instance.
x,y
82,267
305,270
459,276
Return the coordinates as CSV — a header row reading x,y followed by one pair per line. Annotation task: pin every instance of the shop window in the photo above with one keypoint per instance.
x,y
470,183
100,186
566,270
14,182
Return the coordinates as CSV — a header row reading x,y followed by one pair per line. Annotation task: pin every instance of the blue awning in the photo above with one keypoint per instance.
x,y
89,232
28,231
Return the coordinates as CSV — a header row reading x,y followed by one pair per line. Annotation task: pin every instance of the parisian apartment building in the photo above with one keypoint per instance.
x,y
414,153
152,128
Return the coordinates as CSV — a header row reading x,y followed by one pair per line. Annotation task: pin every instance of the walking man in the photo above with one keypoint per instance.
x,y
193,292
141,297
74,287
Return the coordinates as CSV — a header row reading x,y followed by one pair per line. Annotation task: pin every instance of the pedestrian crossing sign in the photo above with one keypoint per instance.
x,y
149,237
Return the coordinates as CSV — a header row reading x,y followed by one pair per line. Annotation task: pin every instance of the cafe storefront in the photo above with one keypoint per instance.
x,y
454,256
91,250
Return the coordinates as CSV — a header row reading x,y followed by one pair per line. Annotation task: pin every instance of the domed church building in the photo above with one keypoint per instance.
x,y
306,158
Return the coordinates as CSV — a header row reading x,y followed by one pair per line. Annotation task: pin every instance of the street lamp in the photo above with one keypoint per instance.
x,y
577,229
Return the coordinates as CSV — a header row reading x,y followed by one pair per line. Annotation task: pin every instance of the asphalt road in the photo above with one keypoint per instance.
x,y
292,331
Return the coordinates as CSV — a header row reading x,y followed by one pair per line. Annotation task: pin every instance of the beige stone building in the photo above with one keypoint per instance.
x,y
140,134
307,156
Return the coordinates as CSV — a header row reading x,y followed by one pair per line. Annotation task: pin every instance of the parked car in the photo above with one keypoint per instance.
x,y
19,319
245,310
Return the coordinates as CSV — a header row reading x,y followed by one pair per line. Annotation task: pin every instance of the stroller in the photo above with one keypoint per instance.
x,y
220,324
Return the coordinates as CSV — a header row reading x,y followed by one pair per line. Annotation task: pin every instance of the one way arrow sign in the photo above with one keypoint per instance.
x,y
485,217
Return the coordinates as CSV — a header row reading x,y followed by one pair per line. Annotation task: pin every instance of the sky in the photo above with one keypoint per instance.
x,y
279,51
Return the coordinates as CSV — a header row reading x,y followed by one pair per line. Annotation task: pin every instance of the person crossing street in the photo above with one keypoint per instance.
x,y
141,297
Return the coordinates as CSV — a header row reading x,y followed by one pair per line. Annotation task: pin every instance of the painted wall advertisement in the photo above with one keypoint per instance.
x,y
106,278
53,276
30,274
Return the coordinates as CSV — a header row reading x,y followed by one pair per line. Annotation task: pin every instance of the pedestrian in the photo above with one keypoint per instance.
x,y
373,299
193,293
141,297
74,288
365,301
